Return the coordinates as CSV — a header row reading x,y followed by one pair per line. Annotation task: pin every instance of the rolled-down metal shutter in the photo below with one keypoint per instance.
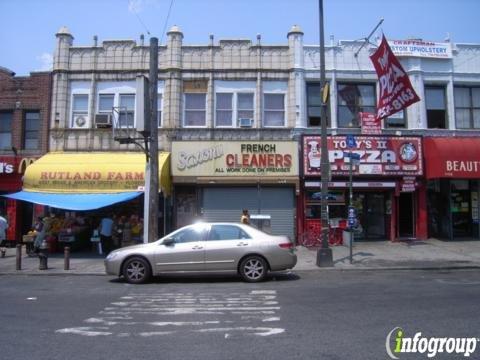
x,y
226,204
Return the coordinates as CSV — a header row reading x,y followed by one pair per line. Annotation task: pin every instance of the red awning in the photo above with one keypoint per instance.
x,y
457,158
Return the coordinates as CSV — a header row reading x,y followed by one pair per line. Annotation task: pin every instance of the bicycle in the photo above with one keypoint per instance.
x,y
310,239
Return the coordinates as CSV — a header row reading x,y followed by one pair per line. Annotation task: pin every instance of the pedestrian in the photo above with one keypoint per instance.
x,y
105,230
3,234
245,218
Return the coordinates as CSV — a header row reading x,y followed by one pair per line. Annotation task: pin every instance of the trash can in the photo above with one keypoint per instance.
x,y
262,222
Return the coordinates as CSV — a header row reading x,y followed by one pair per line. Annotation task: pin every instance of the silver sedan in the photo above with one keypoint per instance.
x,y
205,247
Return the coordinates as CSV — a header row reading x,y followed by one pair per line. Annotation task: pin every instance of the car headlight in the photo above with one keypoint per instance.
x,y
111,256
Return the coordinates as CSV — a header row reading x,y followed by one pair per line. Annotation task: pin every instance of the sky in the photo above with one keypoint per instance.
x,y
28,27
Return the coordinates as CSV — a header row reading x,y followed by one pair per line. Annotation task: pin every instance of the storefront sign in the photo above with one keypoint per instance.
x,y
370,124
418,48
92,172
7,165
452,157
379,155
355,184
396,92
408,184
24,163
234,158
10,180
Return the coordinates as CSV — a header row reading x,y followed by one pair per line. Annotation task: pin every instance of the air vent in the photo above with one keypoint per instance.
x,y
103,120
245,122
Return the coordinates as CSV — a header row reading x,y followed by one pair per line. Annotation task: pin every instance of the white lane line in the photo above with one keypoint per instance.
x,y
261,331
183,323
86,331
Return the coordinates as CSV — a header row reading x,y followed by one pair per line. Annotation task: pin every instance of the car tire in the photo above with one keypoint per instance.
x,y
253,269
136,270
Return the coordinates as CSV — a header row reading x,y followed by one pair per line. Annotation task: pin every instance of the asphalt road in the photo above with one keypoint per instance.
x,y
303,315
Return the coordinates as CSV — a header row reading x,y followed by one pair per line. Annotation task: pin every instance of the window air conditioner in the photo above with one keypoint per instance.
x,y
245,122
80,121
103,120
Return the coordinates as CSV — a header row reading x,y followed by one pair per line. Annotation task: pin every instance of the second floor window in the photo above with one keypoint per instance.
x,y
195,109
6,119
32,130
105,103
273,110
467,108
397,120
352,99
79,109
436,108
314,105
159,109
126,111
231,107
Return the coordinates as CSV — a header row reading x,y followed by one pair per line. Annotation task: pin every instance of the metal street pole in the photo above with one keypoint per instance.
x,y
153,151
324,254
350,204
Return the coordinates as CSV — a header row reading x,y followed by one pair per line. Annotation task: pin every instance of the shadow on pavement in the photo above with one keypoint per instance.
x,y
211,278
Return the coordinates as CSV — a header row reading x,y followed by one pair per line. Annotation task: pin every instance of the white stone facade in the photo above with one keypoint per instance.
x,y
288,67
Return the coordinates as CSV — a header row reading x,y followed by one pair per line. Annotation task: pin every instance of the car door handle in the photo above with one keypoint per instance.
x,y
197,247
242,244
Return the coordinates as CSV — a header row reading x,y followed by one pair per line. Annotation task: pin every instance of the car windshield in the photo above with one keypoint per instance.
x,y
188,233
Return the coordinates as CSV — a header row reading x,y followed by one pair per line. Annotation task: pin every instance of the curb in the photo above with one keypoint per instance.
x,y
383,268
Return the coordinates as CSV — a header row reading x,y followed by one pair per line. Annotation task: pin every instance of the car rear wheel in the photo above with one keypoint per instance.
x,y
136,270
253,269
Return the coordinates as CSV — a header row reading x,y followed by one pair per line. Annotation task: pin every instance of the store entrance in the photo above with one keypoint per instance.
x,y
371,213
405,216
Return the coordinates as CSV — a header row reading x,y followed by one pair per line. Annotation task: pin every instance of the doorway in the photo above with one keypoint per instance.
x,y
371,213
406,215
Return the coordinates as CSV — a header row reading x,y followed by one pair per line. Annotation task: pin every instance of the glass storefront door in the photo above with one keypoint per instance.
x,y
461,212
371,214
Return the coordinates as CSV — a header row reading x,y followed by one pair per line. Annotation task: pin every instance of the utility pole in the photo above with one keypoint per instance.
x,y
153,149
324,254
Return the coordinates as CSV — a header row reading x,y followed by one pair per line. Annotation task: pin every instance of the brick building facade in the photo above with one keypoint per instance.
x,y
24,128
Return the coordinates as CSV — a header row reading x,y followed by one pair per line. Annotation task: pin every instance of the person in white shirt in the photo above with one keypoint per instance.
x,y
3,234
105,230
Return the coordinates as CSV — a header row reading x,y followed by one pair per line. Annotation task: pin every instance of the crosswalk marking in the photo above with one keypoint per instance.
x,y
231,314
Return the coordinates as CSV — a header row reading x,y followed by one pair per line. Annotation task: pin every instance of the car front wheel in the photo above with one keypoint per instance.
x,y
253,269
136,270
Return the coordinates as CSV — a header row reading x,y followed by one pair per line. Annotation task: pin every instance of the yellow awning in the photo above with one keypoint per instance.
x,y
93,172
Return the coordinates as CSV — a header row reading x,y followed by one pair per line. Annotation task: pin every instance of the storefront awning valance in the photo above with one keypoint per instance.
x,y
93,173
456,158
77,202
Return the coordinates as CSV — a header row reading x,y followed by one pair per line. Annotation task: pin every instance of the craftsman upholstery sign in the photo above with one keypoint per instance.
x,y
379,155
419,48
396,92
235,158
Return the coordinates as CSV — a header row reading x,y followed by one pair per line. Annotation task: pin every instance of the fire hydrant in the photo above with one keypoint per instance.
x,y
43,256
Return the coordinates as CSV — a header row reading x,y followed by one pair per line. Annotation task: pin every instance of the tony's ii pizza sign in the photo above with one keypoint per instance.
x,y
396,91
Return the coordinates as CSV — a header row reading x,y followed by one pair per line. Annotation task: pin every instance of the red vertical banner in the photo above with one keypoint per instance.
x,y
396,90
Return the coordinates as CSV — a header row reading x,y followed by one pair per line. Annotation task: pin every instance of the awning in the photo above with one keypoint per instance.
x,y
447,157
77,202
93,172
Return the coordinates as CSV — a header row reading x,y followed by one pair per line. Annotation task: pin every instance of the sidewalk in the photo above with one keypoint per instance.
x,y
379,255
417,254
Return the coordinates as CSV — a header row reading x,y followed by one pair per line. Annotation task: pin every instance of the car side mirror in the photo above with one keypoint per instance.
x,y
168,241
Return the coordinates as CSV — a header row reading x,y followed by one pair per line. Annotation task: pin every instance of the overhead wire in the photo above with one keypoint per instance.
x,y
166,20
